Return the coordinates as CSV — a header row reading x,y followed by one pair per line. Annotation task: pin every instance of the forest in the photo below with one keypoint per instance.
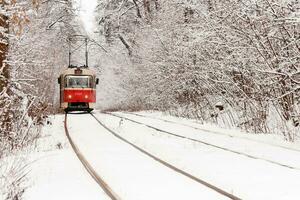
x,y
234,63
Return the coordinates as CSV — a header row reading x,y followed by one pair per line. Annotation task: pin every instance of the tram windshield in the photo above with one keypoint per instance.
x,y
78,81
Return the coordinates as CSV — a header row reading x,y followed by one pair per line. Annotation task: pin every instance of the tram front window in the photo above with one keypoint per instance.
x,y
78,81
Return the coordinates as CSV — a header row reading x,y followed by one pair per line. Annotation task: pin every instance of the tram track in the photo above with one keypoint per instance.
x,y
205,143
98,179
172,167
214,132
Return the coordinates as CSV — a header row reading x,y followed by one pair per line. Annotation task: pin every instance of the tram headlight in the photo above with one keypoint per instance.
x,y
70,96
86,96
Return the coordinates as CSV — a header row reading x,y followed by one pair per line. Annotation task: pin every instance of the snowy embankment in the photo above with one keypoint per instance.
x,y
262,170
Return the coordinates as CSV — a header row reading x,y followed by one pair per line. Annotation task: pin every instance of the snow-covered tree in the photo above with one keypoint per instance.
x,y
33,51
233,62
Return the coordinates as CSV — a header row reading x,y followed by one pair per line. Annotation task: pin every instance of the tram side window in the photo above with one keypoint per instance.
x,y
78,81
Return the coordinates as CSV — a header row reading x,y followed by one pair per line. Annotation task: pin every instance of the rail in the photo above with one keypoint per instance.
x,y
198,180
99,180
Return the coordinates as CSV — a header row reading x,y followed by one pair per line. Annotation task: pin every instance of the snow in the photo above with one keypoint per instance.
x,y
130,173
60,175
134,175
245,177
264,150
269,139
57,173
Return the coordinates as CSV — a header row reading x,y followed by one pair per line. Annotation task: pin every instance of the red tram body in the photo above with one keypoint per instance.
x,y
78,89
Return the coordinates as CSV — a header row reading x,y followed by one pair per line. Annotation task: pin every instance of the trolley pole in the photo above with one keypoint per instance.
x,y
70,52
86,52
83,41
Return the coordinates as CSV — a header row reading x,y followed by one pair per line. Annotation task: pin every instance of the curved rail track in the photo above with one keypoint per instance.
x,y
106,187
203,142
89,168
214,132
198,180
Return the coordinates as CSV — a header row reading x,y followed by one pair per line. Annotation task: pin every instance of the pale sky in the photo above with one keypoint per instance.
x,y
87,13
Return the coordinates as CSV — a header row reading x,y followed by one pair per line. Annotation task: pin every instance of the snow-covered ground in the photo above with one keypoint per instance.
x,y
130,173
56,173
264,169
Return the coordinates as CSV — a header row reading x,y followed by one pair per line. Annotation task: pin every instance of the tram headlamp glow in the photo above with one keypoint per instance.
x,y
70,96
86,96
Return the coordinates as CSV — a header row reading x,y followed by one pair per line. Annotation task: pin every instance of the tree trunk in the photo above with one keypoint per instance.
x,y
5,119
156,4
137,9
147,7
3,51
125,44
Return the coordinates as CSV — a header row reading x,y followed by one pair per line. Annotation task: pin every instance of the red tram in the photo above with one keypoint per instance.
x,y
78,89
